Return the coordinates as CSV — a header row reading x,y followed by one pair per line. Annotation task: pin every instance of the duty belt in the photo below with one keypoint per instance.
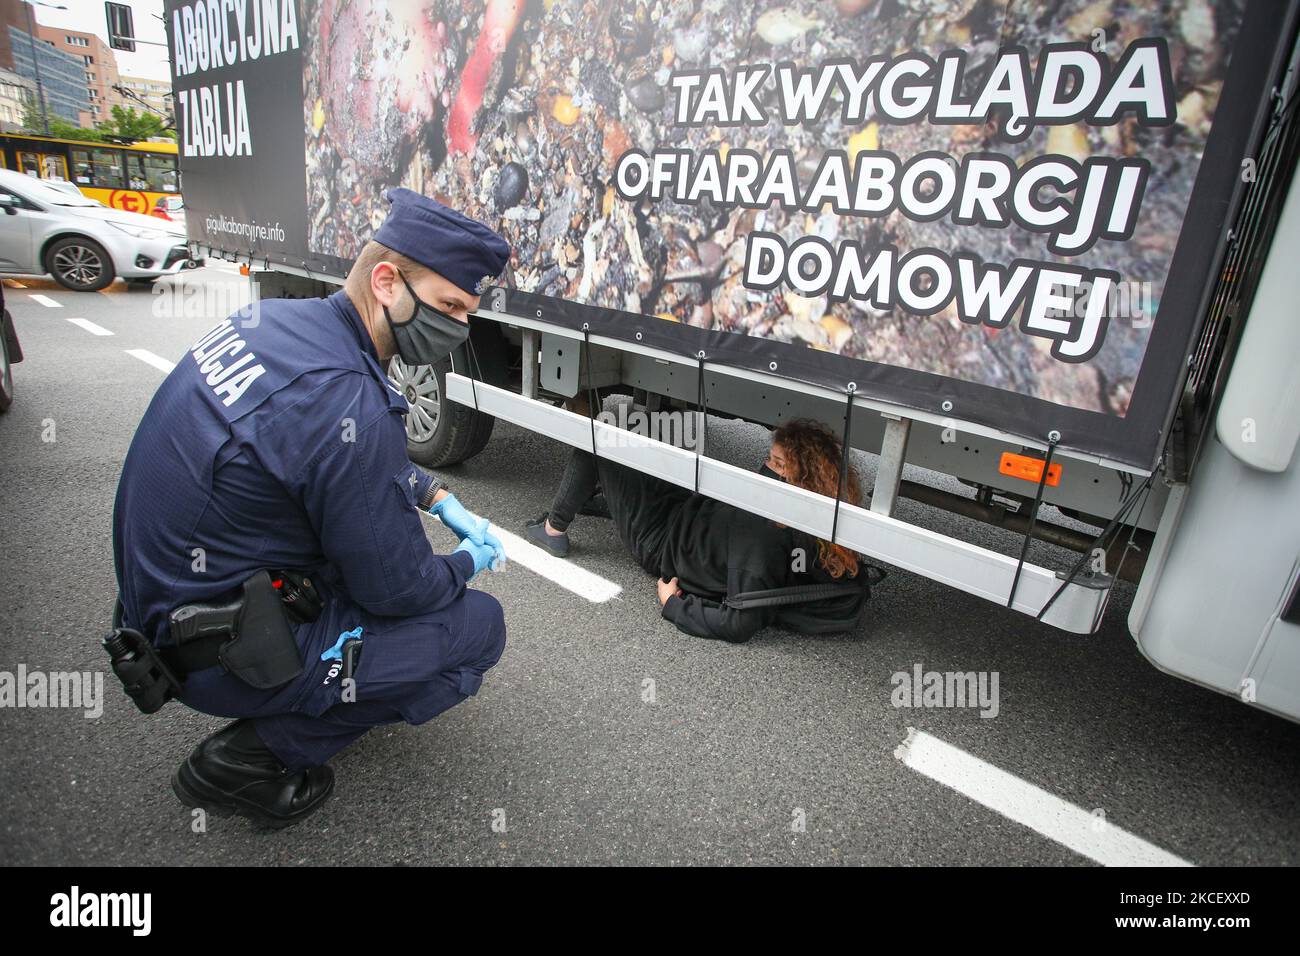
x,y
197,655
250,636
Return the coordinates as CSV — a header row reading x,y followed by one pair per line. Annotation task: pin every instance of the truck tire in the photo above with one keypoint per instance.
x,y
438,432
79,264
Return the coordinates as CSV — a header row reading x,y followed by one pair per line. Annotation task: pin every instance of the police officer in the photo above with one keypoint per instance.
x,y
278,443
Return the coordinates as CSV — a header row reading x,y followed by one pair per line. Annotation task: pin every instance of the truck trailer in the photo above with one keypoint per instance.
x,y
1048,249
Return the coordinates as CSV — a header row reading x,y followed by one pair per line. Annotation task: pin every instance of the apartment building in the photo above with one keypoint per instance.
x,y
62,77
100,66
15,93
157,93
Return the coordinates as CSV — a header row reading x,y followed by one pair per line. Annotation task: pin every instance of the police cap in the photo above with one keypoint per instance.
x,y
465,252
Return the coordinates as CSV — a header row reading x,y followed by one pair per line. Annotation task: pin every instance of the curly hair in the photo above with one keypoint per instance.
x,y
814,454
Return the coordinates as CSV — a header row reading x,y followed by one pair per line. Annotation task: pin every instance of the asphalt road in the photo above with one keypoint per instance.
x,y
737,746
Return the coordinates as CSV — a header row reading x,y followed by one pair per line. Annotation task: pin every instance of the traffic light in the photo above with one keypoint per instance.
x,y
121,28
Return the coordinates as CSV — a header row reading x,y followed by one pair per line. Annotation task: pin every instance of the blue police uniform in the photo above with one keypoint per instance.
x,y
277,442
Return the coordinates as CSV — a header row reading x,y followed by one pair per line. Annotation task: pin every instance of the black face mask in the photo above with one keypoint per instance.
x,y
767,472
429,336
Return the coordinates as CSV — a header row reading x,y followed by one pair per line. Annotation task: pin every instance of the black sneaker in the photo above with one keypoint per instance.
x,y
535,531
232,772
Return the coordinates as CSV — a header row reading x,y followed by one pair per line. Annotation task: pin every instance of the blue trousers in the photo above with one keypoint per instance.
x,y
411,669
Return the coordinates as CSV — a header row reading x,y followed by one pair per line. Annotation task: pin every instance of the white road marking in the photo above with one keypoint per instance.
x,y
157,361
14,284
1004,793
44,300
567,575
90,326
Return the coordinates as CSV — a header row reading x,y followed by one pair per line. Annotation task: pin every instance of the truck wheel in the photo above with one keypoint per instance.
x,y
79,264
438,432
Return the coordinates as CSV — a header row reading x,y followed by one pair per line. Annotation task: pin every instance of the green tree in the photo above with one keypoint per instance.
x,y
59,127
132,126
64,130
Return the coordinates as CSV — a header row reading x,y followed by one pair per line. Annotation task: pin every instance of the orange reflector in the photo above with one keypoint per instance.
x,y
243,270
1030,469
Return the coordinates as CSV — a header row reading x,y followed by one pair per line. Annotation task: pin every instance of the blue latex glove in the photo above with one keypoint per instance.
x,y
335,653
482,554
493,542
453,514
469,526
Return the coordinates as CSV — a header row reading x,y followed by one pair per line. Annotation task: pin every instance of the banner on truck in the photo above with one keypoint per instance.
x,y
997,211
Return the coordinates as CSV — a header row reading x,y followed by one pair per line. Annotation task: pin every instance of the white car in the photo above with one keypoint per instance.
x,y
82,243
62,184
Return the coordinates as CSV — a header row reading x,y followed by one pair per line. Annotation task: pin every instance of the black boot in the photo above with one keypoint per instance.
x,y
232,771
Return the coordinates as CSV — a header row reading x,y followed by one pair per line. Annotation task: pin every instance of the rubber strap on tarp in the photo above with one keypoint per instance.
x,y
844,459
591,395
702,401
1033,519
1116,520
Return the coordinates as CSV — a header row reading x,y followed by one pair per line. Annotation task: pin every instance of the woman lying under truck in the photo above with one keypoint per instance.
x,y
707,553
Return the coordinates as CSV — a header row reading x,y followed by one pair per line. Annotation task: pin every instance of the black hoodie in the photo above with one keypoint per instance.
x,y
716,551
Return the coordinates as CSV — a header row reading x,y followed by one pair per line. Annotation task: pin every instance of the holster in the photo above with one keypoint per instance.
x,y
261,650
